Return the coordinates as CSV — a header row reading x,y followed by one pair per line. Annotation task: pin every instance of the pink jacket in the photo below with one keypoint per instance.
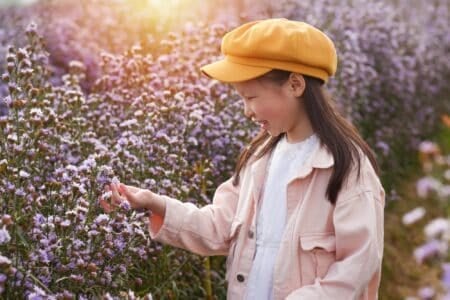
x,y
327,252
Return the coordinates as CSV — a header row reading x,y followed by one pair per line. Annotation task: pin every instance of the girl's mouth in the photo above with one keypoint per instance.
x,y
263,124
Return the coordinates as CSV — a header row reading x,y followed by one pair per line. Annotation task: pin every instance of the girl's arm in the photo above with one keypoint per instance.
x,y
204,231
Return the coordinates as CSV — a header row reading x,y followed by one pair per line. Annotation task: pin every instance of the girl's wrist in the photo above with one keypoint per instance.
x,y
155,203
150,200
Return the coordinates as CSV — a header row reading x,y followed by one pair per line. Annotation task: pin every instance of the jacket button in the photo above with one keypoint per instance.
x,y
240,277
251,234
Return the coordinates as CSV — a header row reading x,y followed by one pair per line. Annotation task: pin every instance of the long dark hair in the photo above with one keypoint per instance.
x,y
332,129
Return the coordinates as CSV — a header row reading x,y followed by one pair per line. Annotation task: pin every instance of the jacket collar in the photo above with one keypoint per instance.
x,y
321,158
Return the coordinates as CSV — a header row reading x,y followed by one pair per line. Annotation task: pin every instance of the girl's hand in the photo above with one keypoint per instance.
x,y
137,198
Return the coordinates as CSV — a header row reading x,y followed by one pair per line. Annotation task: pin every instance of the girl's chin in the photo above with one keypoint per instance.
x,y
272,132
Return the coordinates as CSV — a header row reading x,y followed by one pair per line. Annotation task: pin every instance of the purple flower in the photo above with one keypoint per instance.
x,y
101,219
429,249
427,184
24,174
426,293
65,223
125,205
115,181
37,294
446,275
20,192
38,219
413,215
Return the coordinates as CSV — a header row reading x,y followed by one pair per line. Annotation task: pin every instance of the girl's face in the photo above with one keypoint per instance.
x,y
275,107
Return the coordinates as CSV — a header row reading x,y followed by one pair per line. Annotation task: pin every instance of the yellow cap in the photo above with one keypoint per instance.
x,y
257,47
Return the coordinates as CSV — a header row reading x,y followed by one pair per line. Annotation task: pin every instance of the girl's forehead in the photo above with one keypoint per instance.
x,y
249,88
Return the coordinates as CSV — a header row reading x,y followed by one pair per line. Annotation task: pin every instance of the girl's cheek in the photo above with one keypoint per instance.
x,y
270,114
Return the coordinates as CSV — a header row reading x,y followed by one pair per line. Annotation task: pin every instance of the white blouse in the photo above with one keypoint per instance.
x,y
283,163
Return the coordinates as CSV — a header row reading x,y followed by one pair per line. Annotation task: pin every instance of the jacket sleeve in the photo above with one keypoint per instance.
x,y
204,231
359,228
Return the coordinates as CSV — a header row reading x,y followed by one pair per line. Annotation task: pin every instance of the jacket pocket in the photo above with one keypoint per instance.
x,y
234,232
318,253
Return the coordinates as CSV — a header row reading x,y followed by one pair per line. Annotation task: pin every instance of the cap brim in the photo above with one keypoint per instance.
x,y
227,71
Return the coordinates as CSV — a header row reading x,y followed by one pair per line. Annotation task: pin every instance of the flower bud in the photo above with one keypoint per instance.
x,y
3,165
10,58
18,103
5,77
91,267
7,220
31,30
3,122
10,67
21,54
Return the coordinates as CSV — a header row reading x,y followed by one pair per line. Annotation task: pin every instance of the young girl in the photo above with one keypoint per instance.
x,y
302,217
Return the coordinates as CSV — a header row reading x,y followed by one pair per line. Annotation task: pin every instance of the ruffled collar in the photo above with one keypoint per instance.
x,y
292,150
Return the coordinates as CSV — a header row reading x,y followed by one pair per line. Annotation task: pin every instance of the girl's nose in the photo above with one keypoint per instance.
x,y
247,111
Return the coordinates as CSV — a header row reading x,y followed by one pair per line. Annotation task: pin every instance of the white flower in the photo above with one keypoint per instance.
x,y
107,195
444,191
12,137
4,260
65,223
427,184
138,113
179,96
37,111
436,227
413,215
24,174
4,236
428,147
128,123
149,296
115,180
447,174
76,64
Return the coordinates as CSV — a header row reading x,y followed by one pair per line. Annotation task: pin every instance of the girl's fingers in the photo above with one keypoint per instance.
x,y
115,194
106,207
129,188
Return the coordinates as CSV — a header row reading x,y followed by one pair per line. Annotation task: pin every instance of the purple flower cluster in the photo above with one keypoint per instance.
x,y
53,242
435,250
61,146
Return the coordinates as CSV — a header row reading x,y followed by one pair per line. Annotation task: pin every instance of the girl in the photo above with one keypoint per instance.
x,y
302,217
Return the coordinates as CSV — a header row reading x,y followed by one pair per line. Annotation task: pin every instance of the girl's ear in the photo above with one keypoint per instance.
x,y
296,84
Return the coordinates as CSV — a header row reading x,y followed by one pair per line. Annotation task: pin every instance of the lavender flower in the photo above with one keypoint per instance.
x,y
446,276
413,216
429,249
125,205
